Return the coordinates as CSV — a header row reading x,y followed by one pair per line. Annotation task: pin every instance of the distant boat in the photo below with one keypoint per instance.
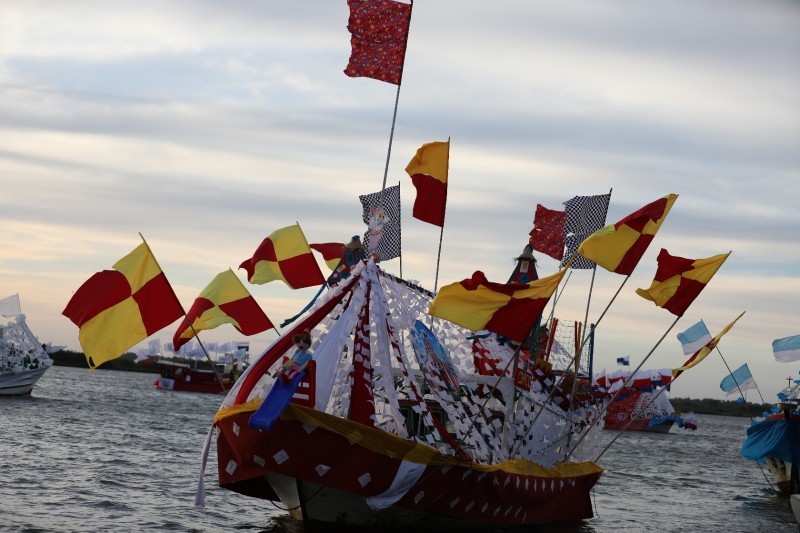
x,y
178,376
23,360
643,405
775,440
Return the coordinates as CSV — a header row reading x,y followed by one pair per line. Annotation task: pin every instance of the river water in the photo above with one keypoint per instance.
x,y
110,452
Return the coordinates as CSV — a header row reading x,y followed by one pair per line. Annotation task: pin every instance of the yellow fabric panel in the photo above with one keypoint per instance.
x,y
248,406
608,245
225,287
543,287
109,334
660,292
470,309
431,159
289,242
266,271
213,318
704,269
138,267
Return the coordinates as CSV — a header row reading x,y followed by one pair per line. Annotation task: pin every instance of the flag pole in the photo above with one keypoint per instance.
x,y
653,399
625,385
578,351
396,102
394,121
184,313
588,304
441,230
594,272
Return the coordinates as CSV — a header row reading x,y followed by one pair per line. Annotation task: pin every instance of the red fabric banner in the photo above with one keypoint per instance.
x,y
379,31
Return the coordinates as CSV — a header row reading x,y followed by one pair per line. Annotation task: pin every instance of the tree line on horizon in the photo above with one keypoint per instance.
x,y
706,406
126,362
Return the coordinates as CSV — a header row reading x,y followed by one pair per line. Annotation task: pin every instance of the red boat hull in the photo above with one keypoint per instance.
x,y
338,463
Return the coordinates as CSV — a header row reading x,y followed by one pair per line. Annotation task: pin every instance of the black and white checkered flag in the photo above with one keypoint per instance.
x,y
389,244
585,215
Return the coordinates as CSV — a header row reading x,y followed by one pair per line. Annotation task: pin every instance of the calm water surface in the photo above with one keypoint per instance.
x,y
109,452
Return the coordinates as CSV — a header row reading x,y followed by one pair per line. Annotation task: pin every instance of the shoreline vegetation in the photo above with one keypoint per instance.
x,y
705,406
126,362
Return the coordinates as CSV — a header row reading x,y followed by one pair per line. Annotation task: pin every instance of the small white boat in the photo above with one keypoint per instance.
x,y
23,359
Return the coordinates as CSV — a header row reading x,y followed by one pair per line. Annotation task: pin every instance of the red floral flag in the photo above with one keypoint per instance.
x,y
224,301
547,235
379,31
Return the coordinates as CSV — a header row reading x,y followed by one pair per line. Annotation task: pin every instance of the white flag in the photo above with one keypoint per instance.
x,y
9,306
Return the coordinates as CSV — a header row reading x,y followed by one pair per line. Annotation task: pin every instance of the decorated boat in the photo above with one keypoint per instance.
x,y
774,439
23,359
386,405
392,425
642,405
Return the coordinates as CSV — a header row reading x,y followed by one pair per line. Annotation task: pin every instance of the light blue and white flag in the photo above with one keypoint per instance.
x,y
740,376
787,349
694,338
624,361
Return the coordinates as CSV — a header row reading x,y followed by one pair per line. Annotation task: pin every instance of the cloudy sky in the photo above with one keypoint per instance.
x,y
207,125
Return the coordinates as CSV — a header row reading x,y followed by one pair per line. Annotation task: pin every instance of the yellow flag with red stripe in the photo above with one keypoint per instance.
x,y
508,309
619,247
678,281
285,255
224,301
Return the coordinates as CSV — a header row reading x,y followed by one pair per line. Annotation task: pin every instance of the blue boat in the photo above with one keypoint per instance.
x,y
774,440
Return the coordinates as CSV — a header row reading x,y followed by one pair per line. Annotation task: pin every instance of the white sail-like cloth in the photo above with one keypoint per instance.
x,y
407,475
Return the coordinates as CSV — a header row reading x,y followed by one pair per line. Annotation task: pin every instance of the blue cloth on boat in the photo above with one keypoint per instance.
x,y
775,438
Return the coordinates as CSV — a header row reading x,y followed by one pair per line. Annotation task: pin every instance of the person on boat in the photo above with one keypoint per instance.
x,y
299,360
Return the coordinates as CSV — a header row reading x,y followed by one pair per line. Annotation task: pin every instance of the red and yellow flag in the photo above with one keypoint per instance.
x,y
619,247
508,309
332,252
429,170
701,354
224,301
284,255
678,281
379,31
115,309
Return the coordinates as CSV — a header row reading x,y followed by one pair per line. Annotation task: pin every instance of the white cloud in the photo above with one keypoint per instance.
x,y
205,126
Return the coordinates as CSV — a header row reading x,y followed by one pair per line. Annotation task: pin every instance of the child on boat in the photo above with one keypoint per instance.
x,y
299,360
